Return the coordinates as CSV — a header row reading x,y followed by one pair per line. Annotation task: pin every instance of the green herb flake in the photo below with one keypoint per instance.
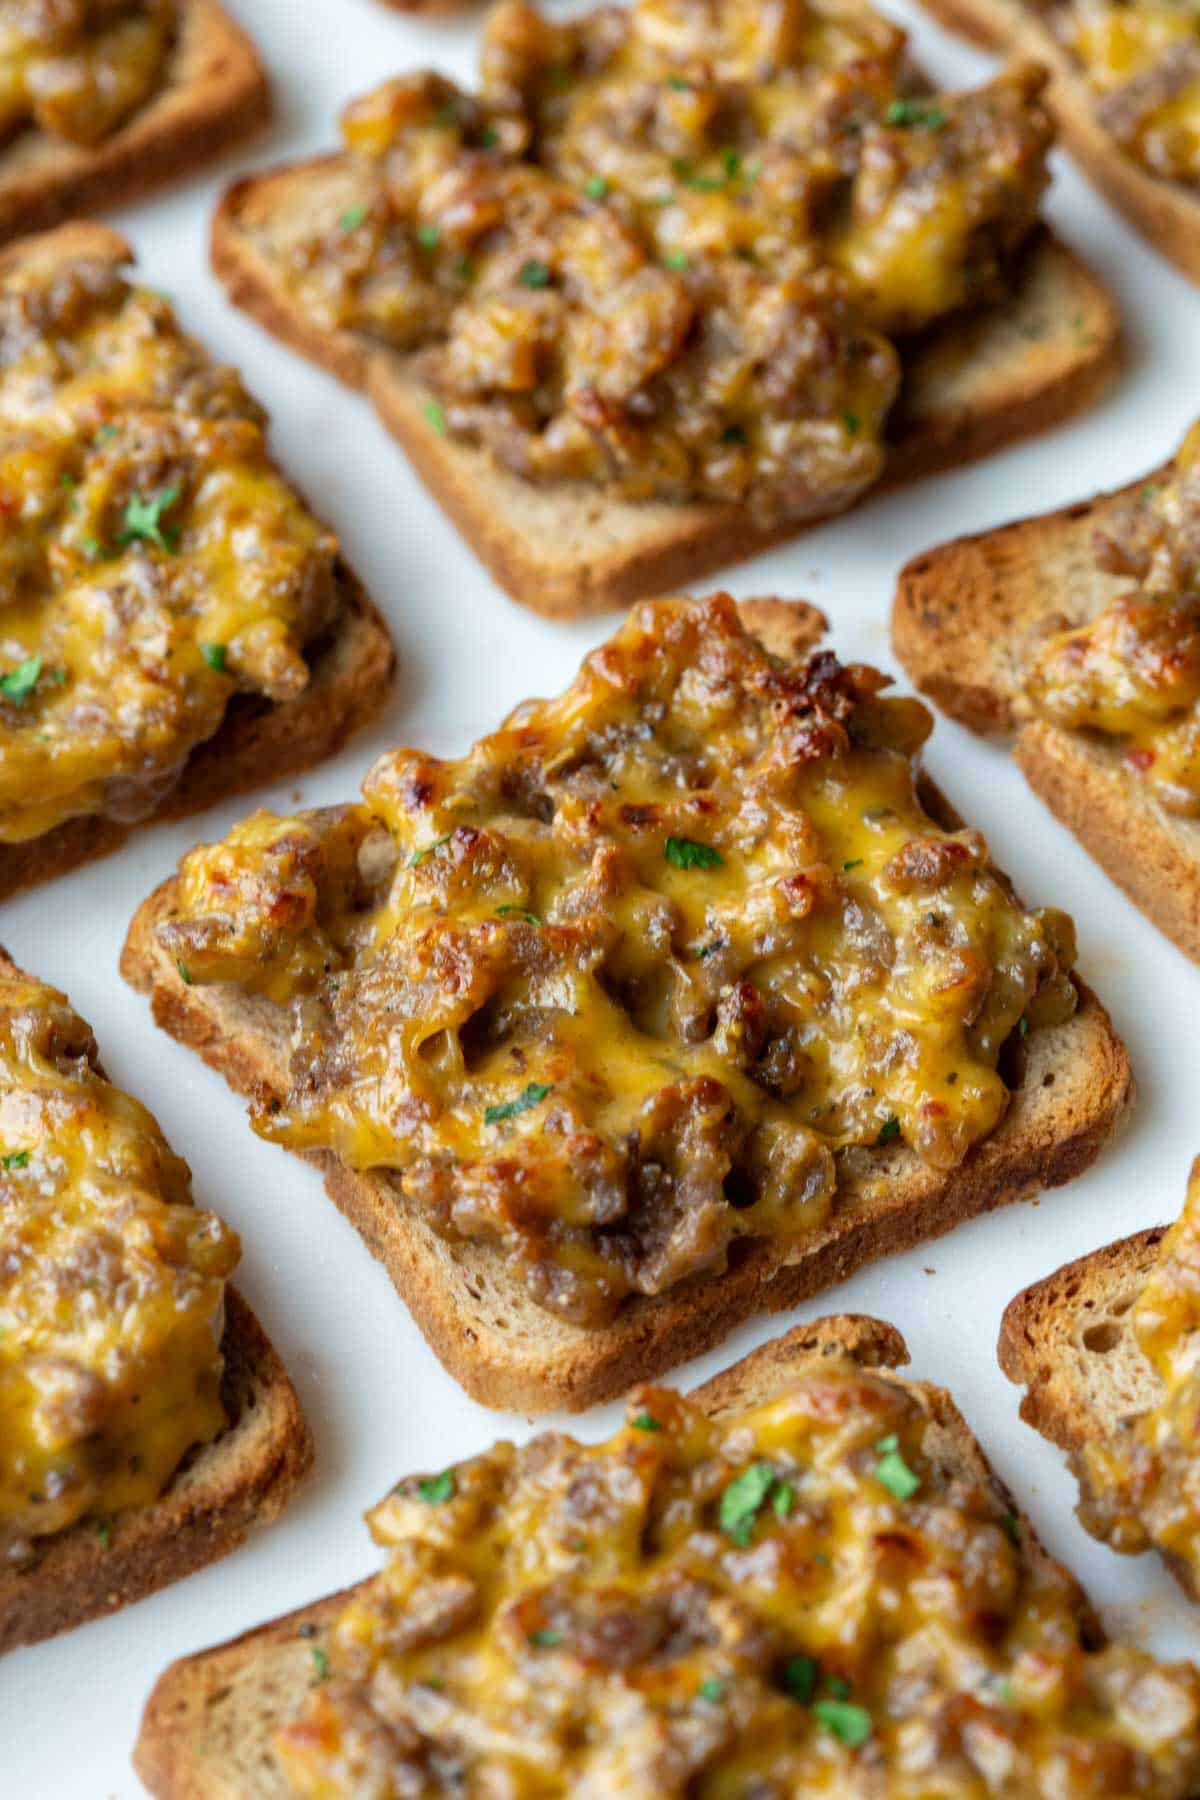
x,y
915,112
19,683
856,862
105,434
799,1678
91,547
1011,1527
742,1499
143,519
889,1131
837,1688
675,259
686,853
679,85
534,274
1023,1025
320,1663
353,217
852,422
464,268
646,1422
596,188
489,137
436,1489
517,912
420,856
103,1528
533,1095
892,1472
17,1159
435,415
733,434
711,1689
783,1498
428,236
850,1724
214,656
731,162
183,973
546,1638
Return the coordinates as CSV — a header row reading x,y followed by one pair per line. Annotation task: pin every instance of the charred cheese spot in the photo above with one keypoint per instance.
x,y
111,1285
611,991
802,1597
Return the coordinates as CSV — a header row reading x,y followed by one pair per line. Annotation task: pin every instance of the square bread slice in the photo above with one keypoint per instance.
x,y
1165,211
967,616
973,385
506,1350
259,741
222,1492
214,93
209,1722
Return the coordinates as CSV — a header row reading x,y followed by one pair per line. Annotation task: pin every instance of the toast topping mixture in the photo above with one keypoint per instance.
x,y
111,1285
1141,59
152,563
665,248
1141,1487
611,990
1132,674
811,1596
79,68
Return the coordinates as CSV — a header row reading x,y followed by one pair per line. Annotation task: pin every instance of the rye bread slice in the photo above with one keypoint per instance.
x,y
208,1724
974,384
215,93
1073,1089
258,741
1165,211
966,617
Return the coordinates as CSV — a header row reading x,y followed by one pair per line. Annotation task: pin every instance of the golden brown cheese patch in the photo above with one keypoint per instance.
x,y
801,1598
665,249
610,991
78,68
152,561
111,1285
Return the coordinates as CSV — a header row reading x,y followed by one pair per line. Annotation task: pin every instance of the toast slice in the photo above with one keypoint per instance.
x,y
967,615
1165,211
208,1725
975,384
258,741
215,93
506,1350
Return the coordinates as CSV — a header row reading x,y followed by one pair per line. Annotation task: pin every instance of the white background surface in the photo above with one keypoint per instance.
x,y
379,1403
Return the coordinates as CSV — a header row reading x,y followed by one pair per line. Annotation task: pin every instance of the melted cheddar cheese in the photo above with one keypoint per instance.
x,y
611,990
78,68
805,1597
1131,675
665,248
1141,59
152,562
1141,1485
111,1285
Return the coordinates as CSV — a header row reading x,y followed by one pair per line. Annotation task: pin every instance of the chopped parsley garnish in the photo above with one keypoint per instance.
x,y
183,973
852,422
732,163
144,516
783,1497
733,434
850,1724
596,188
435,1489
353,217
517,912
892,1472
435,415
91,547
711,1689
534,1094
534,274
686,853
464,268
320,1663
1023,1025
104,434
17,1159
102,1532
646,1422
546,1638
679,84
703,951
419,856
837,1688
742,1499
20,682
915,112
214,656
676,259
889,1131
489,137
855,862
799,1677
428,236
1010,1525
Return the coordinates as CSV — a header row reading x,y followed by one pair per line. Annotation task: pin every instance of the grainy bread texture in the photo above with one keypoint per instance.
x,y
974,384
258,741
1165,211
965,619
509,1352
207,1729
215,93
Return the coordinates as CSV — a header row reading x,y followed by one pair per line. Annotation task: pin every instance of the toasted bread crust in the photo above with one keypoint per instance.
x,y
207,1727
965,618
216,94
1167,212
242,1480
977,383
506,1351
258,742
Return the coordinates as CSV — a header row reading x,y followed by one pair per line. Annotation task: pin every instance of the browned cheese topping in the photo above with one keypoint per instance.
x,y
78,68
810,1597
666,248
1141,1486
1132,675
153,564
112,1286
618,986
1141,59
